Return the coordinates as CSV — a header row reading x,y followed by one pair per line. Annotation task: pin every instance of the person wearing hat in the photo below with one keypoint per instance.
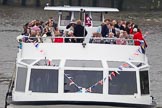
x,y
71,24
69,31
138,38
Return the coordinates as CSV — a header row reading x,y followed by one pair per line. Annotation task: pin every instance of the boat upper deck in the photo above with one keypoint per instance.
x,y
112,40
77,8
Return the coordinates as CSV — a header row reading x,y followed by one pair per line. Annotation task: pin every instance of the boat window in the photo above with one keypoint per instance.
x,y
118,64
144,80
28,61
83,63
21,79
47,62
123,83
96,19
65,18
44,80
79,81
79,16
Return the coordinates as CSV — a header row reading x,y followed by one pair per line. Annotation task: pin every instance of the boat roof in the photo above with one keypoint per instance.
x,y
79,8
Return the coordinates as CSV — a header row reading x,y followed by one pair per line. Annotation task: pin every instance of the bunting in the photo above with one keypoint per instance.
x,y
49,63
112,75
36,44
120,67
100,82
126,65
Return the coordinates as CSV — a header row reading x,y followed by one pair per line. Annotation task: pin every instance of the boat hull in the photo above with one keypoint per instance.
x,y
75,104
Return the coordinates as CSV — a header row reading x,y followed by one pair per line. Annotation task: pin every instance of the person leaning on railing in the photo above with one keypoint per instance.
x,y
138,38
96,38
69,32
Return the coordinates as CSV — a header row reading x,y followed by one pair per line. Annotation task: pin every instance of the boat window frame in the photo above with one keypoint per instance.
x,y
83,61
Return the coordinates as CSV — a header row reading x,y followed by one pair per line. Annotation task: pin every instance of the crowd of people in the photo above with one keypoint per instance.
x,y
39,31
110,32
118,32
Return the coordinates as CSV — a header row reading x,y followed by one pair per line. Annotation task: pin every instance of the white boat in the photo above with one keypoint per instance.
x,y
80,73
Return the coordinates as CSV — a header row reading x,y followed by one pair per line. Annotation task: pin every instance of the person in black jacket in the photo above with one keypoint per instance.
x,y
105,29
80,31
119,25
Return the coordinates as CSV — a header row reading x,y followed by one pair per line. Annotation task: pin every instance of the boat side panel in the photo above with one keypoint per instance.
x,y
76,51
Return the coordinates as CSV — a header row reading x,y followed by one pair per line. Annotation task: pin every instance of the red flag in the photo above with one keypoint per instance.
x,y
49,63
100,82
41,51
136,54
125,65
113,73
89,90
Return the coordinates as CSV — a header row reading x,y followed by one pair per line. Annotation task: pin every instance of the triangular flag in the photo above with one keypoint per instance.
x,y
104,79
49,63
139,50
69,77
89,90
130,58
110,78
41,51
67,74
79,87
141,42
100,82
120,67
96,84
136,54
72,82
113,73
143,49
117,72
125,65
36,44
93,86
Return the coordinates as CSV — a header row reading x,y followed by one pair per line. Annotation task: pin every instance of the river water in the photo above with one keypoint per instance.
x,y
12,19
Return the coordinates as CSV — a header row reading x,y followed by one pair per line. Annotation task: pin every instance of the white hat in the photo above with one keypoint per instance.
x,y
135,30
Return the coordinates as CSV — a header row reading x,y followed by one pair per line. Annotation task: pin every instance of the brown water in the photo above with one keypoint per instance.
x,y
12,19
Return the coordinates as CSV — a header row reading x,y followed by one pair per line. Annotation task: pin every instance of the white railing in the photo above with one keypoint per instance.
x,y
60,39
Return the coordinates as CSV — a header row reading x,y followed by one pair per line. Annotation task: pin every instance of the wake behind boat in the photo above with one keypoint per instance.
x,y
100,68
